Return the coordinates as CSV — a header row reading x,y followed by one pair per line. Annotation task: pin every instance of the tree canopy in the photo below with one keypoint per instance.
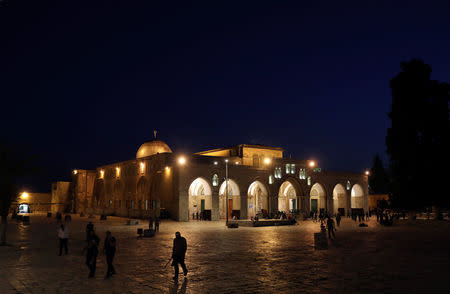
x,y
418,140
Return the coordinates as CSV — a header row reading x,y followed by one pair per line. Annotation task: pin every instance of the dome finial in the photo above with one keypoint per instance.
x,y
154,133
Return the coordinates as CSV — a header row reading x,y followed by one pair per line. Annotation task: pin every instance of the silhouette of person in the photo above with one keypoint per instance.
x,y
338,219
63,234
157,224
330,227
110,250
89,228
92,252
150,224
178,254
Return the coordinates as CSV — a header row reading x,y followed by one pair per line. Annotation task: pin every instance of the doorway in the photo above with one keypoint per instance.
x,y
314,205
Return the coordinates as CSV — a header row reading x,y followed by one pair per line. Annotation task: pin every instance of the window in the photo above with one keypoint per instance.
x,y
278,172
146,204
292,168
309,181
270,179
288,168
132,203
215,180
348,185
139,204
302,174
120,203
110,203
153,204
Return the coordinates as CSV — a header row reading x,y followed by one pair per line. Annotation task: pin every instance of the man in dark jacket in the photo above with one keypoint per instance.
x,y
92,252
109,249
178,254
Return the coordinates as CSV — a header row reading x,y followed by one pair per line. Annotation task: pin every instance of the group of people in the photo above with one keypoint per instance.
x,y
150,224
109,248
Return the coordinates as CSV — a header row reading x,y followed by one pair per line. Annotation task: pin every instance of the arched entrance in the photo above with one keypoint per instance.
x,y
317,198
234,200
287,197
257,200
200,199
339,199
357,197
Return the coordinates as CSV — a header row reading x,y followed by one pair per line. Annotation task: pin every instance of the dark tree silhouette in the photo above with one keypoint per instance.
x,y
418,141
378,179
12,167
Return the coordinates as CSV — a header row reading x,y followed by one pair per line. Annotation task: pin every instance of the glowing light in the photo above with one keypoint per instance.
x,y
181,160
117,171
102,174
216,163
312,163
367,173
167,169
75,171
267,160
24,195
142,167
237,162
226,160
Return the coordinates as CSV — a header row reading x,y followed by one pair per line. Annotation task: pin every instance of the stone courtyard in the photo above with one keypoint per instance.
x,y
405,258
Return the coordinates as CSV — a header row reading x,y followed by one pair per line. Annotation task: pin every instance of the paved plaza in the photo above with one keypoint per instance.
x,y
404,258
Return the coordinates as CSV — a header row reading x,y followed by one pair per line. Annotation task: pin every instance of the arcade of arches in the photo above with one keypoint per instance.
x,y
234,200
339,199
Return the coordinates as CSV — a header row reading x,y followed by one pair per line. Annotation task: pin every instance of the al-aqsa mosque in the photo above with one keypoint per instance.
x,y
260,180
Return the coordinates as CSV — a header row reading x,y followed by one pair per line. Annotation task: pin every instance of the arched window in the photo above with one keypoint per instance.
x,y
309,181
348,185
215,180
271,179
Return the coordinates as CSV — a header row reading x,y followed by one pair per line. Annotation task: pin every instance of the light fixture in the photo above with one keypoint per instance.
x,y
226,160
367,173
24,195
102,174
181,160
142,167
167,169
75,171
312,163
216,163
117,171
237,162
267,160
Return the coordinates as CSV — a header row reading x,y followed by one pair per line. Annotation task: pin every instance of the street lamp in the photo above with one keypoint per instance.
x,y
181,160
226,188
367,173
312,163
267,162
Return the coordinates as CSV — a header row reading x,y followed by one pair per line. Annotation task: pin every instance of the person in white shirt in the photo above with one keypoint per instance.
x,y
63,235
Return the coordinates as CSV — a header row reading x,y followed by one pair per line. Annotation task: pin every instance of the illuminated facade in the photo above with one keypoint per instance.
x,y
260,180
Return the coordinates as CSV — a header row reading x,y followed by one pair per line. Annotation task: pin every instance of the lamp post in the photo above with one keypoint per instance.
x,y
226,187
267,162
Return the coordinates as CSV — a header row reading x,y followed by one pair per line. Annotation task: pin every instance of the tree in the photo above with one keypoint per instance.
x,y
418,140
12,168
378,179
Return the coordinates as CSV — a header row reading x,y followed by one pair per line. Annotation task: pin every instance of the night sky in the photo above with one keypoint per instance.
x,y
85,83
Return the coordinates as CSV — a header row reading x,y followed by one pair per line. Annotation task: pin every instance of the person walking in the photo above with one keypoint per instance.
x,y
178,254
110,250
92,252
63,235
157,224
89,228
150,224
338,219
330,227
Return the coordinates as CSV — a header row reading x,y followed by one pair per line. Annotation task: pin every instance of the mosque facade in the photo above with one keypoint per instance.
x,y
260,180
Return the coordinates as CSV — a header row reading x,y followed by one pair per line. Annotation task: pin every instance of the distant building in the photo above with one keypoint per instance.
x,y
261,180
32,202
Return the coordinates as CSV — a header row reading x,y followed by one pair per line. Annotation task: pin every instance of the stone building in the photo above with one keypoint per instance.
x,y
260,180
28,202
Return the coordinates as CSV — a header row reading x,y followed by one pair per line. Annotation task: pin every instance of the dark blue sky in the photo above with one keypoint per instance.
x,y
85,83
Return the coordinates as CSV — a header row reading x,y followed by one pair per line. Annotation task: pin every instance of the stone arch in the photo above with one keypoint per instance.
x,y
339,199
234,199
257,199
357,196
288,196
317,198
200,198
